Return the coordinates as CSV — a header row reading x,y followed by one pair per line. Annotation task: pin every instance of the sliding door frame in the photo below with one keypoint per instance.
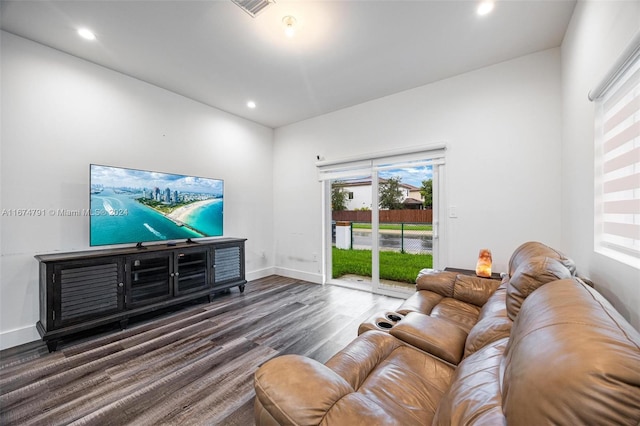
x,y
330,170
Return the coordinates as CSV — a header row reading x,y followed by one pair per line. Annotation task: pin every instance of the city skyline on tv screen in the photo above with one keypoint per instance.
x,y
135,206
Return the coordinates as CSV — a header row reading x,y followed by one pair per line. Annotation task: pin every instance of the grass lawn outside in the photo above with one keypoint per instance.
x,y
394,266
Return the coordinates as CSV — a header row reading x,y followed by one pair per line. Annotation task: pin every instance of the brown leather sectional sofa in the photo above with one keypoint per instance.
x,y
542,347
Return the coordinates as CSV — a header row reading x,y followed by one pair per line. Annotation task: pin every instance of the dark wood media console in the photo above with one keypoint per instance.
x,y
83,290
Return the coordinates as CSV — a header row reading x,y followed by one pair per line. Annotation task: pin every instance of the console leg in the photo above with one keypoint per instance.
x,y
241,287
52,345
124,323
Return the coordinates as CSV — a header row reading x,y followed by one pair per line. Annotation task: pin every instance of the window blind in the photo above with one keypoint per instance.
x,y
365,164
618,159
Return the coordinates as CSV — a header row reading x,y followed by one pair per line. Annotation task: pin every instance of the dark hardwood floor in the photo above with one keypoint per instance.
x,y
192,366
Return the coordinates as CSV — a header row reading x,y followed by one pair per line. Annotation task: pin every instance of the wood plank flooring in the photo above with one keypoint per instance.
x,y
190,367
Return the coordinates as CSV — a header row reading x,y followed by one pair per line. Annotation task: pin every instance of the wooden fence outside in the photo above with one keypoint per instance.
x,y
386,216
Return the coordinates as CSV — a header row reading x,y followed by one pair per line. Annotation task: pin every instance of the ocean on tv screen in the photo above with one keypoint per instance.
x,y
132,206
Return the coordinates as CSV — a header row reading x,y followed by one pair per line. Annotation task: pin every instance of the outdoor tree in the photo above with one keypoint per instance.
x,y
338,197
390,194
427,192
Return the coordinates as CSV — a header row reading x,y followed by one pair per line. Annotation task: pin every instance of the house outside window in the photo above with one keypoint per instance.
x,y
359,193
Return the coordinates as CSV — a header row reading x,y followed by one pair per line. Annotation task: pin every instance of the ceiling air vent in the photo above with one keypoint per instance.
x,y
253,7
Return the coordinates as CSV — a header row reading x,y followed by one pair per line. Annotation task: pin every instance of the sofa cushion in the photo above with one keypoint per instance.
x,y
357,360
406,386
571,359
462,314
376,379
309,402
474,394
529,276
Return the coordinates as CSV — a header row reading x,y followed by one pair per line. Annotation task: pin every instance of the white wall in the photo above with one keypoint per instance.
x,y
60,113
598,32
502,127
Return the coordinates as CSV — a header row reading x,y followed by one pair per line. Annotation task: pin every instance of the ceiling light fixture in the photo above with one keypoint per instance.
x,y
289,23
86,34
251,104
485,7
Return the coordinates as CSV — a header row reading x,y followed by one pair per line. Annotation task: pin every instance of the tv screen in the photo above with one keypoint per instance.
x,y
136,206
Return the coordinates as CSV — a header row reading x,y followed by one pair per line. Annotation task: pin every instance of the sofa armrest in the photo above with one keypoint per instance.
x,y
433,335
297,390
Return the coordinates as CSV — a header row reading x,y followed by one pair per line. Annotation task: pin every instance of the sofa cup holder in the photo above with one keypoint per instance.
x,y
393,317
385,325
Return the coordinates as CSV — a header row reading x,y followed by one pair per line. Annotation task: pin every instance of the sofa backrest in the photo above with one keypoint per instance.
x,y
571,359
468,289
493,323
532,249
528,277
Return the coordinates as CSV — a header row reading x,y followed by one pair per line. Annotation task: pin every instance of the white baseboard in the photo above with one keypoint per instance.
x,y
19,336
285,272
260,273
299,275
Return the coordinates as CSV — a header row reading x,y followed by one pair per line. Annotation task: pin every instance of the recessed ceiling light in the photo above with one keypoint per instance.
x,y
251,104
485,7
86,34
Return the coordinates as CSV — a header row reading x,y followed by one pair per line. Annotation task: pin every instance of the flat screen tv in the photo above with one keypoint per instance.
x,y
137,206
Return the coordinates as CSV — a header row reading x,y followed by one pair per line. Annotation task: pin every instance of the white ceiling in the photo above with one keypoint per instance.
x,y
343,53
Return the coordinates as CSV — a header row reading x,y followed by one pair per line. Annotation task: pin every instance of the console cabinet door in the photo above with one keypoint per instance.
x,y
149,278
191,271
228,264
85,289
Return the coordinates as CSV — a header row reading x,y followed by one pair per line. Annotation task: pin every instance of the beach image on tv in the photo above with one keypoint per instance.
x,y
133,206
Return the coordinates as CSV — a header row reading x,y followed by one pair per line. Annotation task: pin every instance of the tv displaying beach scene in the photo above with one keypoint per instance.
x,y
136,206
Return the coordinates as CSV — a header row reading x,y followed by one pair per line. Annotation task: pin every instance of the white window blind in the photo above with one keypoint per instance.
x,y
365,164
617,173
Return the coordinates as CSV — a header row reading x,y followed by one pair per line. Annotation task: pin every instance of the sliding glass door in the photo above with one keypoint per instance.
x,y
381,221
351,236
405,226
